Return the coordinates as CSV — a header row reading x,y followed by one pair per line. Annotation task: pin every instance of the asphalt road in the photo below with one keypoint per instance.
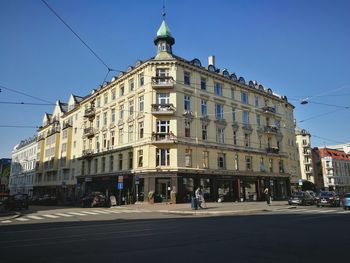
x,y
265,237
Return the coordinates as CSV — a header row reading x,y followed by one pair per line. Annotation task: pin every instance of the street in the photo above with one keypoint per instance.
x,y
303,234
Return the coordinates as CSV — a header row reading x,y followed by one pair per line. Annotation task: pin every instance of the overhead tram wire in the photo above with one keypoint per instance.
x,y
25,94
19,126
27,103
109,69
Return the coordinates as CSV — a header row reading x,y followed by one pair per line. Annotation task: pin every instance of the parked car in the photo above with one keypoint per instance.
x,y
327,198
346,201
47,200
94,199
301,198
17,201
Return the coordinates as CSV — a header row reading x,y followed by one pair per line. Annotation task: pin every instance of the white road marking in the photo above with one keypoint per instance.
x,y
325,211
50,216
344,212
21,219
6,221
89,212
76,214
101,212
35,217
64,215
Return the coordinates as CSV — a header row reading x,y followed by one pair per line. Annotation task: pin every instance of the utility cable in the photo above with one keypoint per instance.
x,y
25,94
27,103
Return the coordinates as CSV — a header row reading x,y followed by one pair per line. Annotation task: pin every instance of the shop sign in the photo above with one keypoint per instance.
x,y
88,179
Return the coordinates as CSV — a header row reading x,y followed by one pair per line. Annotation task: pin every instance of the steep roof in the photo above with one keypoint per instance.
x,y
335,154
164,30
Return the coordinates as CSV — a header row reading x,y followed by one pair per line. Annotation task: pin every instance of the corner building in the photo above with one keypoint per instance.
x,y
172,124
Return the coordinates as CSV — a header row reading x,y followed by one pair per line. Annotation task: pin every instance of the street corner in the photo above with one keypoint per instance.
x,y
9,215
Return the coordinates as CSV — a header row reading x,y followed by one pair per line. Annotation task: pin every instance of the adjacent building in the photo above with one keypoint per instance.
x,y
23,167
170,124
334,167
5,166
341,147
303,140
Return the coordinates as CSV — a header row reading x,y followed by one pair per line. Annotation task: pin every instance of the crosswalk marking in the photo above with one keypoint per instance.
x,y
6,221
51,216
344,212
64,215
35,217
325,211
101,212
77,214
22,219
89,212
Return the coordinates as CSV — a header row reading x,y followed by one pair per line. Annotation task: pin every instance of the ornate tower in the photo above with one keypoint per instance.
x,y
164,41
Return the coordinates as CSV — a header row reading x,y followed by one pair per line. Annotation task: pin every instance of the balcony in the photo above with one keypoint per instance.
x,y
40,137
89,132
307,153
53,130
271,129
161,138
38,166
87,152
274,150
66,125
309,171
268,110
163,109
163,82
307,145
89,113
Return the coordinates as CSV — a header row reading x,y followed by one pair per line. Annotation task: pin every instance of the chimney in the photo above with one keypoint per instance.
x,y
211,60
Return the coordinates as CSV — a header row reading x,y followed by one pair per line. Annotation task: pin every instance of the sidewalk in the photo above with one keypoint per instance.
x,y
212,208
8,215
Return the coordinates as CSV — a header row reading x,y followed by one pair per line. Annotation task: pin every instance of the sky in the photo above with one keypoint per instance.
x,y
299,49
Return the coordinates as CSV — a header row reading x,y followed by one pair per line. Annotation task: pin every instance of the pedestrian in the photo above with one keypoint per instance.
x,y
267,195
198,194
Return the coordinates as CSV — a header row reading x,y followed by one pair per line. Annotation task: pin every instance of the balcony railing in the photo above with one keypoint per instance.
x,y
163,138
271,129
87,152
163,82
163,109
268,109
274,150
89,132
89,112
53,130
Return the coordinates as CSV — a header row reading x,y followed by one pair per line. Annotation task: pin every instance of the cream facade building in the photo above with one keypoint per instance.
x,y
23,167
170,124
303,139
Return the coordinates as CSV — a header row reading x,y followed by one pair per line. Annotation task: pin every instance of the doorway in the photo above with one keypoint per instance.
x,y
163,188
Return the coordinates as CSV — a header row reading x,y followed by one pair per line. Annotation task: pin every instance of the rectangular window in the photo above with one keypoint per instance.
x,y
258,121
203,84
162,72
220,135
188,158
187,102
271,165
120,157
96,166
163,98
218,89
131,85
131,133
163,157
103,164
233,114
121,91
205,159
204,108
105,119
262,165
113,95
131,160
248,163
275,106
256,98
245,117
163,126
236,162
98,122
121,112
111,163
219,113
105,98
121,135
140,158
97,143
232,93
141,129
131,108
278,124
98,102
187,129
244,97
221,161
247,140
281,166
235,137
104,136
113,116
204,132
141,103
141,79
187,78
112,138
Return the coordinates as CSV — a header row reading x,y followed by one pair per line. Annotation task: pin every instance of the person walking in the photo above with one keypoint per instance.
x,y
267,195
199,194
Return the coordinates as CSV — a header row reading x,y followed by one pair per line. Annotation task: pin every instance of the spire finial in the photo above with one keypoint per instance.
x,y
163,13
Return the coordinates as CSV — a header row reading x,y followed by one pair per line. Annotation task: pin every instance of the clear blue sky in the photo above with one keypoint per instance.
x,y
298,48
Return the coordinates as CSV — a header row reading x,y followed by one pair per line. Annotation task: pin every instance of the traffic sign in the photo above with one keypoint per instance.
x,y
120,186
120,179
